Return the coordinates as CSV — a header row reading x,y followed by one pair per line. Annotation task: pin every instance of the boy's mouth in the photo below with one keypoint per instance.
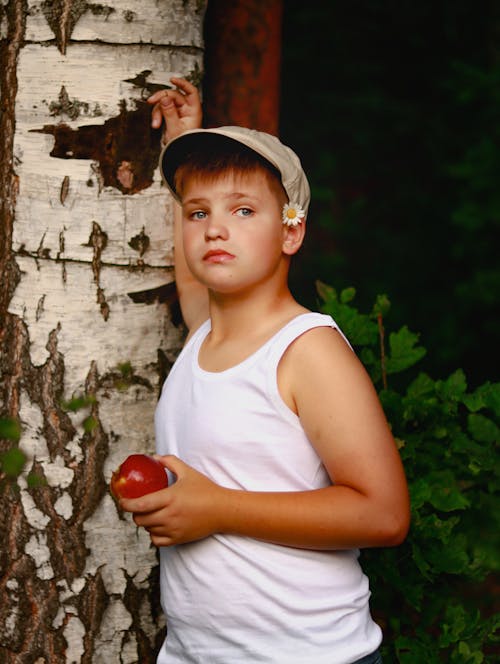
x,y
217,256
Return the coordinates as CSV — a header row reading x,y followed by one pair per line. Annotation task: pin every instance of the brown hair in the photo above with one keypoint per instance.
x,y
212,157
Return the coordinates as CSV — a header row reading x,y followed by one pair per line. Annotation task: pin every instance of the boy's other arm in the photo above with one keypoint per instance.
x,y
193,295
180,110
344,420
368,504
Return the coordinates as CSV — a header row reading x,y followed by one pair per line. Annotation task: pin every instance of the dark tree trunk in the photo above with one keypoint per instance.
x,y
242,63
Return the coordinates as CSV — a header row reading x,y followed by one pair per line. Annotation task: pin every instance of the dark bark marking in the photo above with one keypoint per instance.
x,y
73,108
64,189
165,294
133,598
147,87
63,15
39,308
98,240
91,604
126,147
140,242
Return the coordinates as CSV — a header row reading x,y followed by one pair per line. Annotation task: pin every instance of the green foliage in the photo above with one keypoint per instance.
x,y
432,595
125,376
81,402
12,459
78,402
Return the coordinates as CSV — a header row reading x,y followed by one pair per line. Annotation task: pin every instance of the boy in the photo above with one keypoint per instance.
x,y
284,464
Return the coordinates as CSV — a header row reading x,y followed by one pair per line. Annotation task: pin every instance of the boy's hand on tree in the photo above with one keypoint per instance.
x,y
179,108
186,511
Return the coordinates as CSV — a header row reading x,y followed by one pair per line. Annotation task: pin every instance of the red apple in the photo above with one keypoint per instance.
x,y
139,474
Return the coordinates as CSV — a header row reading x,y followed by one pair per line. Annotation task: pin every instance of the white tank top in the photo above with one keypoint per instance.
x,y
231,599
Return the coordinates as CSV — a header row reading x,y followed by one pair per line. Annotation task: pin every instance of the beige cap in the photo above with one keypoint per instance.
x,y
293,178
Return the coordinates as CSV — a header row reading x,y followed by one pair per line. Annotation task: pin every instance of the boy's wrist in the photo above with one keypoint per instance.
x,y
227,510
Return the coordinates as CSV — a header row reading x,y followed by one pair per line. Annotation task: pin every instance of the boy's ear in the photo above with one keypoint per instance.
x,y
293,236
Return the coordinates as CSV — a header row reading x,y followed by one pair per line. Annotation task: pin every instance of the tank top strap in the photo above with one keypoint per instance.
x,y
294,329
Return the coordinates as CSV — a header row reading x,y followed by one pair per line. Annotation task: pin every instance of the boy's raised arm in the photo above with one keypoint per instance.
x,y
180,110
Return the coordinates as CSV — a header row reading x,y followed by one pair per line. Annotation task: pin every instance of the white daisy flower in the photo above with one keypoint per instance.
x,y
292,214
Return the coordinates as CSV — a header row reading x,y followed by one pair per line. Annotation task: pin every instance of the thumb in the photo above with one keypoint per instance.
x,y
172,463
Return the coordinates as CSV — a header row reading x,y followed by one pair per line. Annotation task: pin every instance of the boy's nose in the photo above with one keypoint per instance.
x,y
215,230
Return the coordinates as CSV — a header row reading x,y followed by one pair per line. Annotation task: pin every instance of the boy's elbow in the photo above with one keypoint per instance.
x,y
398,535
395,528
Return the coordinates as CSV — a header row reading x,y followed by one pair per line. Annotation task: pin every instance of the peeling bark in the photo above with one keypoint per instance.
x,y
87,316
114,146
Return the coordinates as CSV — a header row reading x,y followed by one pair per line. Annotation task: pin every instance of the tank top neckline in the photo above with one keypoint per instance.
x,y
204,330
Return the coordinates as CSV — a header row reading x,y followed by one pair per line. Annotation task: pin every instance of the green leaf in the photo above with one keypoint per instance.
x,y
454,387
482,428
347,295
10,429
446,495
35,481
327,293
421,562
422,386
126,369
466,655
402,351
12,462
78,402
420,493
359,328
381,306
454,625
486,396
474,401
450,557
89,424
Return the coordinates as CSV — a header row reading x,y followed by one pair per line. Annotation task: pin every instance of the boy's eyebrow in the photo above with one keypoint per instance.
x,y
233,194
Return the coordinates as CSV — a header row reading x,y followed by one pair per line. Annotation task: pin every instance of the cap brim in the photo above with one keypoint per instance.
x,y
177,151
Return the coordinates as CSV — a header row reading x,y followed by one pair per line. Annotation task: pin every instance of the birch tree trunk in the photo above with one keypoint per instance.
x,y
86,332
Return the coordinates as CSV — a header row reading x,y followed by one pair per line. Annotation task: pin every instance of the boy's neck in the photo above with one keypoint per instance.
x,y
241,316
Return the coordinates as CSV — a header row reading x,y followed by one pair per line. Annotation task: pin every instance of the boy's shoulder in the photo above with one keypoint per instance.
x,y
320,349
317,332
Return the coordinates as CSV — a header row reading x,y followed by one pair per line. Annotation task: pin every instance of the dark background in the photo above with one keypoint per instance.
x,y
394,108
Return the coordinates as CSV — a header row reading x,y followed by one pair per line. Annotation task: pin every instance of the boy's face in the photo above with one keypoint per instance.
x,y
232,230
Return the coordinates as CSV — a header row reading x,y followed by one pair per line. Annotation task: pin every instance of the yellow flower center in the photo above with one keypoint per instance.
x,y
291,213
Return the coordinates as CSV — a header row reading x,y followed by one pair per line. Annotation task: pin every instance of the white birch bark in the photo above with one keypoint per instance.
x,y
84,249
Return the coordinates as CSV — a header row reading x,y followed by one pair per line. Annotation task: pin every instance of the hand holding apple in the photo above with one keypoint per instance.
x,y
138,475
191,509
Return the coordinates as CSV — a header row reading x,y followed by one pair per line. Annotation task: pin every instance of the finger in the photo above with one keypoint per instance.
x,y
153,523
161,540
188,88
156,96
172,463
186,92
178,97
156,116
150,502
165,108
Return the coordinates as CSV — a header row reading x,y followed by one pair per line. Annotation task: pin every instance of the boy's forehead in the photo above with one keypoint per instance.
x,y
231,182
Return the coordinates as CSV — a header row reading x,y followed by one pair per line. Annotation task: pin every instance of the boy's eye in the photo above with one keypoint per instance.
x,y
244,212
197,215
